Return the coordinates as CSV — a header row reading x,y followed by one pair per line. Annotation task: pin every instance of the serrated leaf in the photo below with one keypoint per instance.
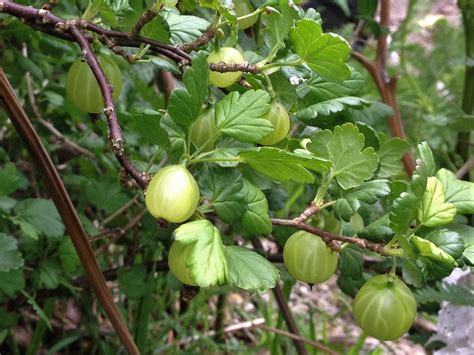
x,y
10,257
447,240
36,308
318,89
426,155
133,282
278,24
369,192
48,273
434,210
424,169
12,281
228,148
437,262
105,194
241,116
68,256
351,262
147,123
325,53
185,104
249,270
284,166
157,29
223,187
378,231
285,90
207,259
403,211
165,64
310,113
255,220
352,164
390,154
184,28
458,192
10,179
412,273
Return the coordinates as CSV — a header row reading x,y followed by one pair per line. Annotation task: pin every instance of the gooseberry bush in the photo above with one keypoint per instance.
x,y
260,132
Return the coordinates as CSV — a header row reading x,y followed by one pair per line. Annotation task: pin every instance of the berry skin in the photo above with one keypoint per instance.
x,y
173,194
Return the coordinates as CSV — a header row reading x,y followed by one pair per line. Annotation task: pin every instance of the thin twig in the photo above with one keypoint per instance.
x,y
385,85
467,166
307,213
147,16
329,238
316,344
65,207
199,42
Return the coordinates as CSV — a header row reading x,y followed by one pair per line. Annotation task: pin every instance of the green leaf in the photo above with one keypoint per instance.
x,y
458,192
431,251
255,220
460,295
10,257
49,274
351,262
165,64
207,258
241,116
447,240
157,29
318,89
36,308
249,270
12,281
223,187
285,91
184,28
403,211
42,214
326,54
277,24
147,124
310,113
10,179
378,231
68,256
133,282
369,192
426,155
105,194
424,168
434,210
352,164
185,104
284,166
390,154
412,273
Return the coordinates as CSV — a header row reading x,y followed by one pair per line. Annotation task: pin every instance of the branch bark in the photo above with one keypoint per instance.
x,y
329,238
65,207
385,85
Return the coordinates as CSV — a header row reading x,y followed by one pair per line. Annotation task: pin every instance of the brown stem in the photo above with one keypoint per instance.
x,y
65,207
285,310
115,132
385,85
329,238
307,213
199,42
146,17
